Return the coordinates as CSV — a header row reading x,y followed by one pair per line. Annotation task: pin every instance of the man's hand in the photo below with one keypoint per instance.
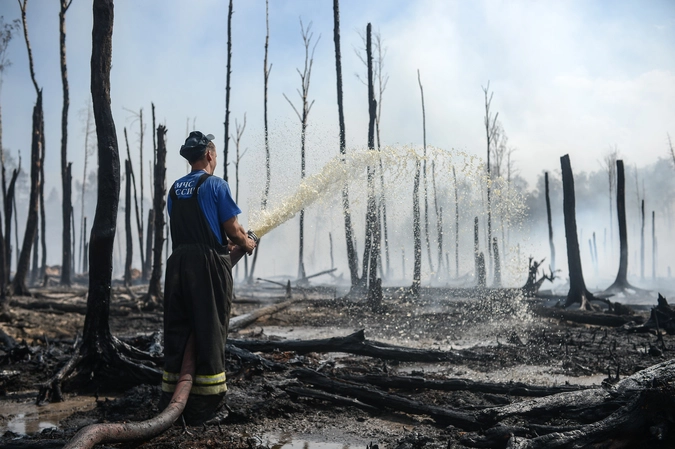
x,y
237,234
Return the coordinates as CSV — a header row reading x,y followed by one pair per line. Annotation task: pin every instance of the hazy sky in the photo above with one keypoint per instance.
x,y
568,76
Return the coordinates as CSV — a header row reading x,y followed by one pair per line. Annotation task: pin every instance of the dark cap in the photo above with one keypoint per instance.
x,y
195,145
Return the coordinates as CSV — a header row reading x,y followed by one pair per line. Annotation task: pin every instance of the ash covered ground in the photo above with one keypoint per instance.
x,y
495,335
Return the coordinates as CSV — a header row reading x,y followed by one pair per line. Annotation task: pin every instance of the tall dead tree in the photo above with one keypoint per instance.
x,y
159,203
268,170
439,219
352,257
238,154
424,174
139,215
578,293
83,220
490,122
372,241
382,80
303,92
19,282
654,245
66,176
100,355
7,31
621,282
43,220
550,223
417,233
609,162
642,240
127,223
454,178
497,275
227,91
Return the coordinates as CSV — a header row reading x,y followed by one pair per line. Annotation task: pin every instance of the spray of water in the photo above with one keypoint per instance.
x,y
398,163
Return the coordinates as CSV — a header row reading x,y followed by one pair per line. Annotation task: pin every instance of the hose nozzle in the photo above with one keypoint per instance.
x,y
252,236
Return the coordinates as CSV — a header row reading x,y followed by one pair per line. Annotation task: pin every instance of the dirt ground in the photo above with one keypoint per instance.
x,y
497,337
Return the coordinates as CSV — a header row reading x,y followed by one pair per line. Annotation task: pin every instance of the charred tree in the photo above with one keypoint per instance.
x,y
268,172
372,241
497,275
621,282
653,245
100,355
227,91
550,223
454,178
83,219
139,215
491,129
417,234
238,155
9,202
303,92
148,238
127,223
476,251
43,221
66,177
352,257
642,240
439,219
424,174
578,292
159,203
19,282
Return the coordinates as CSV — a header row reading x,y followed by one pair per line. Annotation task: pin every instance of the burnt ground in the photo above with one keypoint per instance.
x,y
496,338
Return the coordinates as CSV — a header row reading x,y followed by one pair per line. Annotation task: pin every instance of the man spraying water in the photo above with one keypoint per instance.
x,y
198,285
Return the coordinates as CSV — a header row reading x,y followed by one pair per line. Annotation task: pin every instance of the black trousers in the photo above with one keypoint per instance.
x,y
197,299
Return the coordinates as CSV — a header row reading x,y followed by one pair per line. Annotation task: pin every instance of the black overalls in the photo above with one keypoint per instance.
x,y
197,297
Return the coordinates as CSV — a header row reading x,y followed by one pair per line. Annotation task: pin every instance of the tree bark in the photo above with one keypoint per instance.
x,y
352,257
19,282
127,223
417,234
424,175
621,282
577,292
148,242
227,90
155,287
550,224
8,222
66,179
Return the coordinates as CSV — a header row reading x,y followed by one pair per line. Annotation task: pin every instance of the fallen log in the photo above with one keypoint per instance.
x,y
241,321
296,392
587,317
250,357
380,399
416,383
355,343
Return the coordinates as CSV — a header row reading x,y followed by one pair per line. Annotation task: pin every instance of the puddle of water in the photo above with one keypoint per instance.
x,y
287,440
21,415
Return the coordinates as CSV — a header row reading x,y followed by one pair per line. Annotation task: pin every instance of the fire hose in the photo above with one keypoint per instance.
x,y
89,436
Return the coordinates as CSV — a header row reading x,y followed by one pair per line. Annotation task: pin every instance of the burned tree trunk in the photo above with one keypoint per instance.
x,y
653,245
155,287
454,177
19,282
148,240
43,221
439,219
642,240
621,282
8,220
227,93
417,233
497,275
550,224
424,175
268,172
578,292
101,354
139,215
372,241
66,177
352,257
127,223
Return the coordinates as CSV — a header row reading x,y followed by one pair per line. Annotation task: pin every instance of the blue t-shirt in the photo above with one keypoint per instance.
x,y
214,197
